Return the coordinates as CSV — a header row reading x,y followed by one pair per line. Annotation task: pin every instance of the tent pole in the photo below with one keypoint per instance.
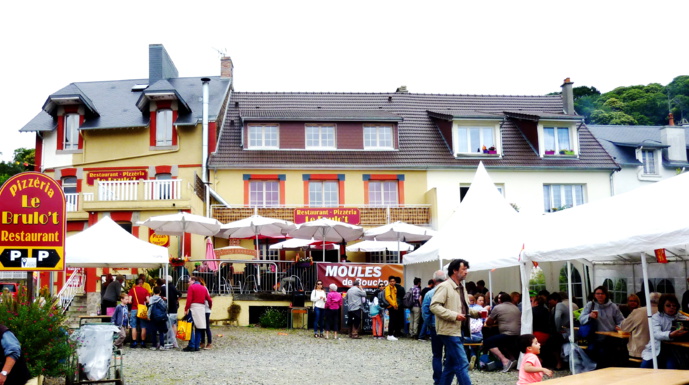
x,y
644,269
490,288
571,317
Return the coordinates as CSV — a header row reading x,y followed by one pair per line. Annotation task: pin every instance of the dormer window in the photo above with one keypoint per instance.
x,y
649,160
377,136
320,136
163,127
263,136
71,132
476,140
557,141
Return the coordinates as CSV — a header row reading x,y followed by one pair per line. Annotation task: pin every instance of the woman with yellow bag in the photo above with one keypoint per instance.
x,y
197,295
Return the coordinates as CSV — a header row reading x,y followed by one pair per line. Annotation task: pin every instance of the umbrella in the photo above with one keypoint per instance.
x,y
294,243
180,223
210,254
370,246
254,226
400,232
326,229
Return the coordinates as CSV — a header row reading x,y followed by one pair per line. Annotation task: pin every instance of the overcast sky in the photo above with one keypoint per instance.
x,y
459,47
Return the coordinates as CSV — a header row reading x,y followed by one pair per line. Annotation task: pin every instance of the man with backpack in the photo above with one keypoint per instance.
x,y
157,315
356,296
414,307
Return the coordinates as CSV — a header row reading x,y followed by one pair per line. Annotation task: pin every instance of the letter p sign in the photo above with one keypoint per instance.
x,y
14,254
43,254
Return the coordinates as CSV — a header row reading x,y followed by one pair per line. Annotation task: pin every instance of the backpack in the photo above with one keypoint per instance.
x,y
158,312
408,299
382,302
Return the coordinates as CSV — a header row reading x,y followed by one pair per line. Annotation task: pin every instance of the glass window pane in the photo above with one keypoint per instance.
x,y
71,139
487,137
475,139
563,138
463,136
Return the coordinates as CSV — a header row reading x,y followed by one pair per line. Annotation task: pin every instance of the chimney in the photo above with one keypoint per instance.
x,y
402,90
671,119
568,97
674,137
226,67
160,66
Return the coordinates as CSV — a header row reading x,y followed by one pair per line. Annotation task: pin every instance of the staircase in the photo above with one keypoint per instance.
x,y
76,308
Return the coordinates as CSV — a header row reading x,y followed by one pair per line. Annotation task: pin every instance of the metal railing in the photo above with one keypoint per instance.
x,y
251,276
73,286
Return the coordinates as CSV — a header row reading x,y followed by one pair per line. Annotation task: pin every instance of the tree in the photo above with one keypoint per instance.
x,y
23,160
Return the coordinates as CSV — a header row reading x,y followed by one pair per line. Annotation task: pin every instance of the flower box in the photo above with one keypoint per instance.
x,y
566,152
492,152
550,152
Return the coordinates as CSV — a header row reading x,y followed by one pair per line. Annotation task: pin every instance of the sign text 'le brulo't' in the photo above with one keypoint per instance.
x,y
32,223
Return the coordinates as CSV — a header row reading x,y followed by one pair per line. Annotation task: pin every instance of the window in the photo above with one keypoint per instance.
x,y
324,193
617,289
320,136
71,140
649,161
562,196
464,189
382,257
265,136
377,136
474,139
577,284
69,187
264,193
382,193
556,140
163,186
164,127
661,285
537,281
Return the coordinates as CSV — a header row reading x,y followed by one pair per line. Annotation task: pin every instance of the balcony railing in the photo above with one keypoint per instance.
x,y
136,190
368,215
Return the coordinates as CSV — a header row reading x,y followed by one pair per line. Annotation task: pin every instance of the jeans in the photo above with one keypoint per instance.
x,y
195,340
159,327
475,338
455,361
423,333
208,331
437,349
319,314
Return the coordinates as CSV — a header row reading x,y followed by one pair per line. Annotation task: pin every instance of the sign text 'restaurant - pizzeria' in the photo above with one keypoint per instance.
x,y
32,223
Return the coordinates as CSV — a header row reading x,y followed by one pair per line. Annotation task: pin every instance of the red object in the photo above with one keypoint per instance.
x,y
347,215
660,255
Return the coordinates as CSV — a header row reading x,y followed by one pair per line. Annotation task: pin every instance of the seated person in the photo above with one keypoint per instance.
x,y
475,325
509,320
637,325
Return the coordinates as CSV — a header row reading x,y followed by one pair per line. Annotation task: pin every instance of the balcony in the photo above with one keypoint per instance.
x,y
127,195
369,216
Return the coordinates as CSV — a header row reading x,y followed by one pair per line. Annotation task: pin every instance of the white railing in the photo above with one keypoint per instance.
x,y
129,190
162,189
73,286
72,202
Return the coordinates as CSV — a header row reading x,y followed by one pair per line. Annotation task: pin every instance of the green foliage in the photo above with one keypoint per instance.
x,y
39,327
537,281
273,318
23,161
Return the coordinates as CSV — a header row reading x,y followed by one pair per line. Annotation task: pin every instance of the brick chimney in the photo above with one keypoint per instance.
x,y
568,97
226,67
674,137
160,66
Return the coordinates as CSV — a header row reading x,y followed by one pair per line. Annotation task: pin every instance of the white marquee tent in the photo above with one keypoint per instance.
x,y
106,244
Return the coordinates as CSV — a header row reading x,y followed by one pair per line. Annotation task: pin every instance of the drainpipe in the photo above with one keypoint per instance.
x,y
204,145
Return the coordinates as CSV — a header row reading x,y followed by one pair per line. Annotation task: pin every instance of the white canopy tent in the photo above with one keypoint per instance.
x,y
484,230
107,244
622,229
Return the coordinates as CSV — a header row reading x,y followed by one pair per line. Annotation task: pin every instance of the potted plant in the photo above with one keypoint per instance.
x,y
304,261
492,150
484,149
550,152
178,261
566,152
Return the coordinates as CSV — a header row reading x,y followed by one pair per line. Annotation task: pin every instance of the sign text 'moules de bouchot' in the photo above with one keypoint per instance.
x,y
344,274
32,223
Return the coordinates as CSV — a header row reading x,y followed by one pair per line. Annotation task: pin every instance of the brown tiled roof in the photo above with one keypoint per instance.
x,y
421,146
260,114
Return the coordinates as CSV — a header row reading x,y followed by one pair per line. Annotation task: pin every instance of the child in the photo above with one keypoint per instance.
x,y
531,370
120,318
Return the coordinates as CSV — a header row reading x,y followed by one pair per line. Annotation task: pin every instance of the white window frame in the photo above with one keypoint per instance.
x,y
259,187
320,196
263,136
463,128
573,137
70,141
646,165
466,186
381,200
164,127
577,191
377,136
320,137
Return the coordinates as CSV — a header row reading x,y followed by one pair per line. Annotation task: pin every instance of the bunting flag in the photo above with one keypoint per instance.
x,y
535,264
520,253
660,255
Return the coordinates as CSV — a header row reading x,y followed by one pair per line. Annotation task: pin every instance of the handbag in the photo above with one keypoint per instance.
x,y
141,309
587,330
184,330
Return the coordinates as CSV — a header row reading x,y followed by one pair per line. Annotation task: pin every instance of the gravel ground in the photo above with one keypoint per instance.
x,y
247,355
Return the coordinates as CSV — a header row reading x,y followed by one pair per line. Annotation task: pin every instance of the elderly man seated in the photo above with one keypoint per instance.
x,y
637,325
509,320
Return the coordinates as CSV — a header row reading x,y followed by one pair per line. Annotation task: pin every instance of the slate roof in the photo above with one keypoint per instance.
x,y
256,115
622,141
116,105
421,146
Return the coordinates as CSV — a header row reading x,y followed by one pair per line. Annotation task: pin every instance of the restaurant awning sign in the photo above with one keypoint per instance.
x,y
344,274
346,215
32,223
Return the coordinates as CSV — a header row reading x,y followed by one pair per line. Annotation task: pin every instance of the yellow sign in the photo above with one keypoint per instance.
x,y
159,239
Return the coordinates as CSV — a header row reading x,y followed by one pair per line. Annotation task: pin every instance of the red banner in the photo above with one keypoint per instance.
x,y
660,256
344,274
115,175
351,216
32,223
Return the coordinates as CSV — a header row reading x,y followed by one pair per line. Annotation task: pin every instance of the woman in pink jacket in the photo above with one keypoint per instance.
x,y
333,303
